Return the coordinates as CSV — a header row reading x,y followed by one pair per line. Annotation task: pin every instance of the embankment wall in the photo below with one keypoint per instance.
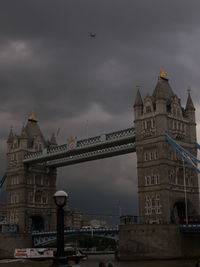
x,y
150,241
8,243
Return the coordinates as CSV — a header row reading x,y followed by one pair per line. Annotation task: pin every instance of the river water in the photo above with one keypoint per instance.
x,y
93,261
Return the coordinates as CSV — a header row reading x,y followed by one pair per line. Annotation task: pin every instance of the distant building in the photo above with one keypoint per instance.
x,y
73,219
98,223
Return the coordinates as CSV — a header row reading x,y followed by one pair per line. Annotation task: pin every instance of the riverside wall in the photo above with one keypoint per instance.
x,y
152,241
8,243
191,245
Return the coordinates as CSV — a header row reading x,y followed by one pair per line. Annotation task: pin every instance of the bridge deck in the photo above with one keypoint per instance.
x,y
102,146
44,238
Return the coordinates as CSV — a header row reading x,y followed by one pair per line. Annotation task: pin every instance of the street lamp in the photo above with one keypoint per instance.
x,y
60,198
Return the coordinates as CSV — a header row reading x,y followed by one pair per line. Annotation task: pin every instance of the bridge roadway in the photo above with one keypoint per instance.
x,y
45,238
77,151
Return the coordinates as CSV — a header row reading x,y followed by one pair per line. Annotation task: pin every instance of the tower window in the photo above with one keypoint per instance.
x,y
152,123
157,179
148,109
148,124
171,124
46,181
169,108
38,180
152,204
178,112
15,144
152,180
31,197
44,200
28,180
147,180
38,197
180,176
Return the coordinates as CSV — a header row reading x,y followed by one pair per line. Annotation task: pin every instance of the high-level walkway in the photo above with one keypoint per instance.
x,y
77,151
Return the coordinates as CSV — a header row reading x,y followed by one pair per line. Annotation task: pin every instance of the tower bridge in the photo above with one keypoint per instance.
x,y
164,179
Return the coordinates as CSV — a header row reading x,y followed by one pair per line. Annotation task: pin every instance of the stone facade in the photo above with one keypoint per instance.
x,y
30,189
2,212
160,168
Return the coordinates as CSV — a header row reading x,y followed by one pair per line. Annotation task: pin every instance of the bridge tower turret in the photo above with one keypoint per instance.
x,y
29,189
160,169
138,106
190,114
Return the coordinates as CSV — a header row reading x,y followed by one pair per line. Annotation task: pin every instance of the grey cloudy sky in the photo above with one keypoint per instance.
x,y
49,64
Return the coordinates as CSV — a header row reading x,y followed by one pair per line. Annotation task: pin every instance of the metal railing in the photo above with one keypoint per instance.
x,y
42,238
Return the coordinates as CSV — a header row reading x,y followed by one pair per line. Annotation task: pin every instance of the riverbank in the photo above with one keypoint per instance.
x,y
93,261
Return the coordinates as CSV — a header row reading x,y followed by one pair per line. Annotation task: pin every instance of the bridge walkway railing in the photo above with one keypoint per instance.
x,y
91,145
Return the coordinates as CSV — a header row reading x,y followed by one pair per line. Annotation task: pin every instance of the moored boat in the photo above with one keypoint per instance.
x,y
47,253
33,253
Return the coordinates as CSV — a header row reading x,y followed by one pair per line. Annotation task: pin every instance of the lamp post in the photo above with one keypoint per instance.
x,y
60,198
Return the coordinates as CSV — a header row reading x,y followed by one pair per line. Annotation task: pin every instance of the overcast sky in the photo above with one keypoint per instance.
x,y
50,64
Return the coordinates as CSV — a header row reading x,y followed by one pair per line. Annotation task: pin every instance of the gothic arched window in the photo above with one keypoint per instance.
x,y
38,197
38,179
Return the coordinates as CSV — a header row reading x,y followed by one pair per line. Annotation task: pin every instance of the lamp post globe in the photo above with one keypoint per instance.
x,y
60,198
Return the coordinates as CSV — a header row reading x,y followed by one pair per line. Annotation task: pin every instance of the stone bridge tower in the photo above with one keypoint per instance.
x,y
29,189
160,169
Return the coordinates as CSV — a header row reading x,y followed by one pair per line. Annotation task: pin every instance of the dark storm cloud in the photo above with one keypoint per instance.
x,y
50,64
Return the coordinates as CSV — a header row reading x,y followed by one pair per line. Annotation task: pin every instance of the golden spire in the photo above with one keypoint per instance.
x,y
71,142
32,117
163,74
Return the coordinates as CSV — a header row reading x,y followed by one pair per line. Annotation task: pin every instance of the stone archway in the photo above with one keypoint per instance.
x,y
37,223
178,212
180,208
